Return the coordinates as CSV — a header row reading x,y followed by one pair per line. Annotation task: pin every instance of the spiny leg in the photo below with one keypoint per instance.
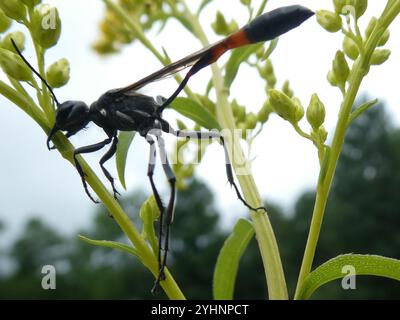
x,y
88,149
229,172
150,174
106,157
170,209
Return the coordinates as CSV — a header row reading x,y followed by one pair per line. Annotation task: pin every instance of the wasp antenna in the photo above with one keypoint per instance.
x,y
34,71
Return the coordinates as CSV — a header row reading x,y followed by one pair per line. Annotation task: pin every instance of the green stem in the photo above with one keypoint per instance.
x,y
359,71
265,235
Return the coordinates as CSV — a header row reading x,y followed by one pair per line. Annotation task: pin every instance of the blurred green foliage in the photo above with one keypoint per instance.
x,y
363,216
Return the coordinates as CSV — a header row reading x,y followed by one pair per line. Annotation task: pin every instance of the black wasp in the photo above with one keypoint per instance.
x,y
125,109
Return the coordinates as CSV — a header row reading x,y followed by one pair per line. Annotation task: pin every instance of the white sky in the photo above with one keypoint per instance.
x,y
38,182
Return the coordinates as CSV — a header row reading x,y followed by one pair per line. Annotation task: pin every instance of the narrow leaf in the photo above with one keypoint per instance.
x,y
112,245
125,140
236,58
196,112
228,260
361,109
371,265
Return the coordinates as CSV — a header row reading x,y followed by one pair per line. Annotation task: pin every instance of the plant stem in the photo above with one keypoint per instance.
x,y
359,71
265,235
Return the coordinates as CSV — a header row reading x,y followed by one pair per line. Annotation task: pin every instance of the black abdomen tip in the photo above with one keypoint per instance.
x,y
277,22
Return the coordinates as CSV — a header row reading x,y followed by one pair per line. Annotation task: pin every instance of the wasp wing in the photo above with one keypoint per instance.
x,y
169,70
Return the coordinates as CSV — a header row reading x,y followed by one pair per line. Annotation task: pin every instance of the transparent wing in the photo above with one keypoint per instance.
x,y
169,70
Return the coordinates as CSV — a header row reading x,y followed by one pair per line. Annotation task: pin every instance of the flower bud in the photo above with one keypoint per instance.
x,y
14,9
332,78
371,26
251,121
360,7
299,114
58,73
384,39
14,66
322,134
19,39
266,70
31,3
5,22
350,48
46,25
340,67
315,112
330,21
282,105
380,56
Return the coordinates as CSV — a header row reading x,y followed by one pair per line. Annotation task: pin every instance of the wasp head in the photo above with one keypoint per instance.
x,y
71,116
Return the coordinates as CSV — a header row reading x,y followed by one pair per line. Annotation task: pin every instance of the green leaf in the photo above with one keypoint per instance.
x,y
196,112
361,109
236,58
125,140
112,245
229,258
371,265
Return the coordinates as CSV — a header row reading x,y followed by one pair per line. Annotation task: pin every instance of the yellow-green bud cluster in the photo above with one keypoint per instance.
x,y
222,27
58,73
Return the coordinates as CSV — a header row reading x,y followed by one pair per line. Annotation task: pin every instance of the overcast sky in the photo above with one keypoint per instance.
x,y
38,182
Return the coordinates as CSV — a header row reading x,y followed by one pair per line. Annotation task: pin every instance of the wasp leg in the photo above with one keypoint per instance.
x,y
106,157
150,173
229,172
170,208
88,149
